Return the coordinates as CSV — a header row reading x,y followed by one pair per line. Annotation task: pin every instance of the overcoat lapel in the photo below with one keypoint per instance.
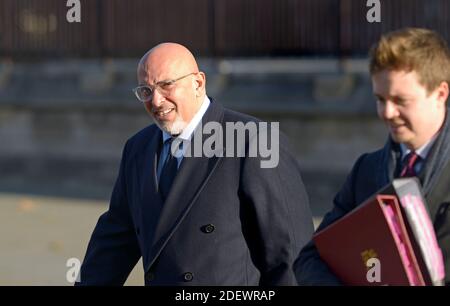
x,y
193,174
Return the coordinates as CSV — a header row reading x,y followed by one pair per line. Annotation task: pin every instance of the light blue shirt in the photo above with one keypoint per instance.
x,y
422,152
185,135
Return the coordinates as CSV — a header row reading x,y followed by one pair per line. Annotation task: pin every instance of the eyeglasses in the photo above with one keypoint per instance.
x,y
144,93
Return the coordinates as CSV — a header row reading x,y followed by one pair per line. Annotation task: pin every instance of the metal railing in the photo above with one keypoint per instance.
x,y
127,28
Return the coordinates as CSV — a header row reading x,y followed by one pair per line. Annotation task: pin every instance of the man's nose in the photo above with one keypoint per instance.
x,y
157,98
388,110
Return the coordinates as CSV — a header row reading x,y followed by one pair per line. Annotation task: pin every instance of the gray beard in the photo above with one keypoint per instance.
x,y
174,128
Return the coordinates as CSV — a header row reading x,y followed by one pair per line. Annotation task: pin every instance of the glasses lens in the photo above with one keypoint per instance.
x,y
144,93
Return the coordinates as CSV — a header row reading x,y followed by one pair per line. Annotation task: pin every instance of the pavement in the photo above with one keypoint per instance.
x,y
39,234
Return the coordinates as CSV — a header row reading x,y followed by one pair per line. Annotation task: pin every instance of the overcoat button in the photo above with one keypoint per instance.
x,y
188,276
209,228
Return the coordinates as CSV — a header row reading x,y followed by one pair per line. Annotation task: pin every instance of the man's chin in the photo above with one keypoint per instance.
x,y
400,138
172,128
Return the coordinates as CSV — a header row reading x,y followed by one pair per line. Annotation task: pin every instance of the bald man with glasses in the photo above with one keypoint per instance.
x,y
196,220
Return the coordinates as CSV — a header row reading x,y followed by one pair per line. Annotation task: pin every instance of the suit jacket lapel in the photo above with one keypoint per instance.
x,y
149,197
387,165
435,175
192,175
434,169
147,164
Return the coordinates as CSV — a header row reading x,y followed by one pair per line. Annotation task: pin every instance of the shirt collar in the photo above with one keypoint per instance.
x,y
422,151
189,129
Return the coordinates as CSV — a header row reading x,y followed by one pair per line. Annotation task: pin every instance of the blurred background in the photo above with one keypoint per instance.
x,y
66,106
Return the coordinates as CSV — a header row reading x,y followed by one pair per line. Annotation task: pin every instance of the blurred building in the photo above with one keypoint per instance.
x,y
66,106
118,28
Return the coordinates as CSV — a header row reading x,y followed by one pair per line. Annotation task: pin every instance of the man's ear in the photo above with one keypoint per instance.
x,y
442,93
199,84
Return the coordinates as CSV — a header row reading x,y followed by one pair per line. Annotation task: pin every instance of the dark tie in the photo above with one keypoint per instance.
x,y
169,171
408,166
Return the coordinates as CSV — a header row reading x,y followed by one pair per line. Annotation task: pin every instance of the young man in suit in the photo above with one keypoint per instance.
x,y
196,220
410,71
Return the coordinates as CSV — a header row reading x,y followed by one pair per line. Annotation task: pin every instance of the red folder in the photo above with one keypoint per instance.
x,y
376,229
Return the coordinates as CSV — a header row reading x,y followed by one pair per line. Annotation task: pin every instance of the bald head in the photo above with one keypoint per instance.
x,y
177,85
168,57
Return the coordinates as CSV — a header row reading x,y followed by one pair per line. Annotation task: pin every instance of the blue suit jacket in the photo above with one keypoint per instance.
x,y
225,221
371,172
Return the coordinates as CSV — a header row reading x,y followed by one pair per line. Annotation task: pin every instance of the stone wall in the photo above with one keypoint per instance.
x,y
63,123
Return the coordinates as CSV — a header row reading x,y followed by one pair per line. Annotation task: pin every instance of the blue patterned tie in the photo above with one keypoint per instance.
x,y
169,171
410,161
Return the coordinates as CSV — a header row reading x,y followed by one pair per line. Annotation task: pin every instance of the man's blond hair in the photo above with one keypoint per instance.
x,y
413,49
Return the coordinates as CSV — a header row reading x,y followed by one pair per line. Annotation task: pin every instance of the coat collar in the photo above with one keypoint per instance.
x,y
435,165
192,175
